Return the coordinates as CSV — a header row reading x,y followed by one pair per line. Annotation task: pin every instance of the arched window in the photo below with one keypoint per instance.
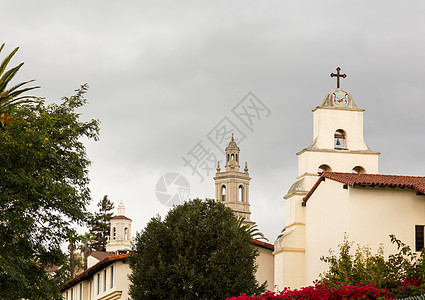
x,y
233,157
358,170
241,199
228,157
223,193
324,168
115,233
125,233
339,140
236,157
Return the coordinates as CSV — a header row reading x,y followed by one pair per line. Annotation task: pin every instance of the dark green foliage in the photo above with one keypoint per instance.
x,y
402,273
43,166
199,251
100,224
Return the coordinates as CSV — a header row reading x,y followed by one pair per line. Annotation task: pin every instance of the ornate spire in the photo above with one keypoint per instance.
x,y
232,156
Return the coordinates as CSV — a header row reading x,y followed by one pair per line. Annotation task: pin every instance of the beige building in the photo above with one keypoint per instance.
x,y
232,186
232,189
107,275
346,198
106,280
265,262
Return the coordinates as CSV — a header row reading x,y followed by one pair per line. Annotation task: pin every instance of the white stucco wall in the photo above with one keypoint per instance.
x,y
265,271
338,160
389,211
119,290
367,215
326,222
327,120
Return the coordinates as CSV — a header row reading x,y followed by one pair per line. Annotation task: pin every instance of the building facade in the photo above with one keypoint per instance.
x,y
321,207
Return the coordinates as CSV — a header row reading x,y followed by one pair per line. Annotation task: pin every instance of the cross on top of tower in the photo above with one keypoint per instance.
x,y
337,75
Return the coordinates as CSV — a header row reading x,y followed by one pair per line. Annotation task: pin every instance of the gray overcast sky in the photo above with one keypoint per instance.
x,y
163,74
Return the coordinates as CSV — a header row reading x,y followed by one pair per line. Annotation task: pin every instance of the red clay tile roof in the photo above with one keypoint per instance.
x,y
91,271
120,218
352,179
99,255
262,244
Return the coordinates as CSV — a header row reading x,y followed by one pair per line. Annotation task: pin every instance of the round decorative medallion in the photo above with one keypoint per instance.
x,y
340,98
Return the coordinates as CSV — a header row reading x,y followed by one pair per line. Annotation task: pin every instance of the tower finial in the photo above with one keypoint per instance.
x,y
246,167
338,75
218,166
232,137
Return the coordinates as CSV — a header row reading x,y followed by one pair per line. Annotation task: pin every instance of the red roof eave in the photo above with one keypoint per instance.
x,y
353,179
262,244
90,271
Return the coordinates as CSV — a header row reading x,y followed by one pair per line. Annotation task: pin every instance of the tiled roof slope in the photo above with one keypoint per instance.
x,y
99,255
91,271
120,218
262,244
352,179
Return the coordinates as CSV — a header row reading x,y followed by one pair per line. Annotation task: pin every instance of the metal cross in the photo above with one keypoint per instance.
x,y
337,75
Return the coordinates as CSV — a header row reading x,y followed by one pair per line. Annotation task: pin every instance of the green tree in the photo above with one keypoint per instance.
x,y
86,240
403,273
44,177
13,95
199,251
100,224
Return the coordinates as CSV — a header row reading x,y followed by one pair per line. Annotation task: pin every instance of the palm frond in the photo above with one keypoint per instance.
x,y
18,92
8,76
6,61
19,85
253,230
12,96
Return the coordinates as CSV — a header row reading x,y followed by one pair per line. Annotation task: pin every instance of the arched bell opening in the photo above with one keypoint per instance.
x,y
340,142
223,193
358,170
324,168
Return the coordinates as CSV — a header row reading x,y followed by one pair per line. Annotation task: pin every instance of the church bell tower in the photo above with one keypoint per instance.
x,y
120,236
338,146
232,186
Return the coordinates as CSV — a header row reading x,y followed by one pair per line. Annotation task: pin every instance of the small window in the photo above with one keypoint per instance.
x,y
324,168
233,157
81,291
72,294
358,170
339,140
223,193
236,157
241,199
98,283
228,157
419,237
112,277
104,280
115,233
125,233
